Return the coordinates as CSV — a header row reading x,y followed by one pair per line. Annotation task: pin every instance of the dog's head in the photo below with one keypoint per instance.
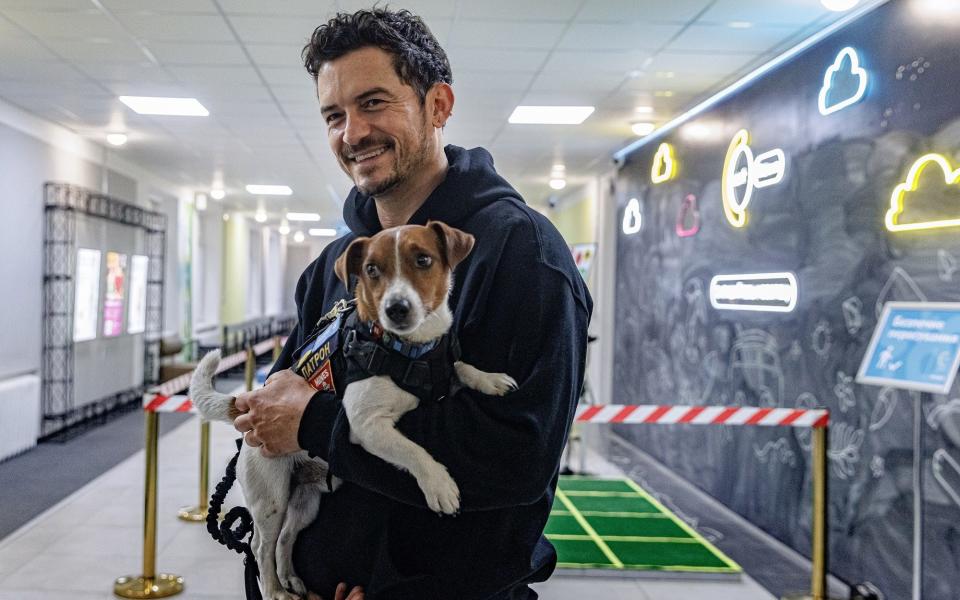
x,y
403,277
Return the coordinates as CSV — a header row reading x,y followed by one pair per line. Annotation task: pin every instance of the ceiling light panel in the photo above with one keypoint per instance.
x,y
153,105
550,115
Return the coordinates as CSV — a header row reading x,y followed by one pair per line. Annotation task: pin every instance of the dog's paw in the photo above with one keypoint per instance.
x,y
440,491
497,384
282,595
294,585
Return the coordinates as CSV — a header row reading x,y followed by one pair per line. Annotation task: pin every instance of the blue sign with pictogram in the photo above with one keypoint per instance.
x,y
915,346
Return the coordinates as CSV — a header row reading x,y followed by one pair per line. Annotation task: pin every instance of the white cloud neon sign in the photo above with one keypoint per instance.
x,y
850,55
764,292
756,172
632,217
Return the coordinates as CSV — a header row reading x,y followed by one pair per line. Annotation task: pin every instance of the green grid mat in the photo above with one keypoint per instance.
x,y
615,524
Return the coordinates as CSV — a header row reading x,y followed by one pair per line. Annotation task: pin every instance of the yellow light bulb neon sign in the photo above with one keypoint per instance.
x,y
743,173
664,164
950,177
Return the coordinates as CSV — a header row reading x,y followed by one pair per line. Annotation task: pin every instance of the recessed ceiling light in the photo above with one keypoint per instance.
x,y
217,194
839,5
226,216
550,115
269,190
298,237
294,216
558,184
740,24
643,110
177,107
260,216
117,139
663,93
284,228
322,232
642,128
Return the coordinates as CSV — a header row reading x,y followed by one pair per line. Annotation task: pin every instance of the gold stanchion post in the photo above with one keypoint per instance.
x,y
149,584
277,347
198,513
251,368
818,583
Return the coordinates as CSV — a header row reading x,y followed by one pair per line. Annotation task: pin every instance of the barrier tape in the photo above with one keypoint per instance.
x,y
166,397
703,415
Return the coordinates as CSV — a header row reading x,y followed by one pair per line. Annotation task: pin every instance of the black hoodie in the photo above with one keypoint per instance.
x,y
519,307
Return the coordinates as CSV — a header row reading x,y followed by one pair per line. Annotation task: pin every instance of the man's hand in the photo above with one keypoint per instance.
x,y
355,594
272,413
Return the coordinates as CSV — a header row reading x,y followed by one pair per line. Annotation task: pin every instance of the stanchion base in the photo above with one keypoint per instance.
x,y
138,586
193,514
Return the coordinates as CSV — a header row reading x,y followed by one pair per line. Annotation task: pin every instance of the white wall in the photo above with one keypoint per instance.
x,y
207,267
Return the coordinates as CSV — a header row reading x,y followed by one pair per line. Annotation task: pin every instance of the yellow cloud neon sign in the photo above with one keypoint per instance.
x,y
664,164
950,177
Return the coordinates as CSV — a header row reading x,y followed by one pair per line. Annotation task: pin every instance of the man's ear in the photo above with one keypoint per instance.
x,y
455,245
348,264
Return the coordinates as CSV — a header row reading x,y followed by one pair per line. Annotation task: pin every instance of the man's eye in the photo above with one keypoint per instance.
x,y
332,117
373,271
372,102
424,261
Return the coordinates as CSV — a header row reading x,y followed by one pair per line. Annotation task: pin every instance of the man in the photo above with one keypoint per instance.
x,y
519,306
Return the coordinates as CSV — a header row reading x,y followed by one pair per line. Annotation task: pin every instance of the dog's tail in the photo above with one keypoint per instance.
x,y
212,405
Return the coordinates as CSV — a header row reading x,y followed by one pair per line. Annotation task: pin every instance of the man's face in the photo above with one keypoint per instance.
x,y
378,129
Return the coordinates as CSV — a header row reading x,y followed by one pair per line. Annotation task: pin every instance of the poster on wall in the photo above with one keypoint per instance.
x,y
583,257
113,298
86,293
137,315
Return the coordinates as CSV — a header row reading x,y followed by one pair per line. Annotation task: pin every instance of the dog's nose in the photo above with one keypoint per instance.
x,y
398,310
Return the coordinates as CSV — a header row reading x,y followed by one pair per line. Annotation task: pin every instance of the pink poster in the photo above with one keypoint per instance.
x,y
113,300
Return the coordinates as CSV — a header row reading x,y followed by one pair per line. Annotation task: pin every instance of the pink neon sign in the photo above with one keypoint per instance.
x,y
688,211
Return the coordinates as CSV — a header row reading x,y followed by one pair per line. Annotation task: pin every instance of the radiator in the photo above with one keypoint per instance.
x,y
19,414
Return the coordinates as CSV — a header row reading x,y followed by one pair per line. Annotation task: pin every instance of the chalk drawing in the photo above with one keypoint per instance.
x,y
883,409
821,340
844,452
899,286
946,265
852,314
844,391
946,471
776,452
754,356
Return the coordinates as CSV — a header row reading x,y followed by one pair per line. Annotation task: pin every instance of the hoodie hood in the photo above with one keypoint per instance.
x,y
471,184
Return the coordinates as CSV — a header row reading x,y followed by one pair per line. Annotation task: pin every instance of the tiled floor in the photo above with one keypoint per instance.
x,y
77,548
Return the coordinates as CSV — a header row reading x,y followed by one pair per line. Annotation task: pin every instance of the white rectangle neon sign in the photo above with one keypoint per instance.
x,y
765,292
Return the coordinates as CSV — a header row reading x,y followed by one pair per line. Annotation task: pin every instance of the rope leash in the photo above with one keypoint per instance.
x,y
233,537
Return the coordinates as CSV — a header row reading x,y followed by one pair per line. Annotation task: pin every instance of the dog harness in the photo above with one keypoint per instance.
x,y
343,349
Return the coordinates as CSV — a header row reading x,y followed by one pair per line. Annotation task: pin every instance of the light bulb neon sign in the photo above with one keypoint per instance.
x,y
846,56
764,292
743,173
632,217
664,164
912,182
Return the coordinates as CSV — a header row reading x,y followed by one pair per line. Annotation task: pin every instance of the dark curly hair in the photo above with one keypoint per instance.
x,y
418,58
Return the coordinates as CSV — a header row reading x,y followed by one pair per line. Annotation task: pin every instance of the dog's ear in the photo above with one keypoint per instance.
x,y
348,264
455,245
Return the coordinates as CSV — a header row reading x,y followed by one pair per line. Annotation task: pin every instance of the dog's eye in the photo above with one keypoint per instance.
x,y
424,261
373,271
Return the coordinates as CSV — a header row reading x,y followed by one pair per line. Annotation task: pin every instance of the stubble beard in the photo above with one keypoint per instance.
x,y
402,170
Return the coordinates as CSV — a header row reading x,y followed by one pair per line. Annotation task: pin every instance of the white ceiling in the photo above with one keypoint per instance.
x,y
68,60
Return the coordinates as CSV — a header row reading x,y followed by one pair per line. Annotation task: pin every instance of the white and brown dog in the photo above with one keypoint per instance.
x,y
403,278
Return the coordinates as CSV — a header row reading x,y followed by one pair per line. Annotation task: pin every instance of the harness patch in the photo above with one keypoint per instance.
x,y
314,361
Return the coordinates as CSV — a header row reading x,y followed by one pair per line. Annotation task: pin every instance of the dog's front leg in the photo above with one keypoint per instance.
x,y
373,407
266,487
492,384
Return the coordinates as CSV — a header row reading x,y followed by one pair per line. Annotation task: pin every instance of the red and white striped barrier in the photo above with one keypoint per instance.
x,y
703,415
166,397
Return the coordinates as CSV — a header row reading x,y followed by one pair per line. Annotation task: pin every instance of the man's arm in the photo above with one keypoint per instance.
x,y
502,451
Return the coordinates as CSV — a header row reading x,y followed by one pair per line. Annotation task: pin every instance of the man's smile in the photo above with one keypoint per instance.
x,y
367,155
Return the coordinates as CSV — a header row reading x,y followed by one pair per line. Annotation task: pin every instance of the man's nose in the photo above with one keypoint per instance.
x,y
355,130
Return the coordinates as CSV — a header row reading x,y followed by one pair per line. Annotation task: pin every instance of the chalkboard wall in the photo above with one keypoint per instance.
x,y
824,222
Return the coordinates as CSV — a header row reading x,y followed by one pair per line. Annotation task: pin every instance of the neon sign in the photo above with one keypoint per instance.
x,y
743,173
846,56
664,164
688,210
632,218
765,292
950,177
